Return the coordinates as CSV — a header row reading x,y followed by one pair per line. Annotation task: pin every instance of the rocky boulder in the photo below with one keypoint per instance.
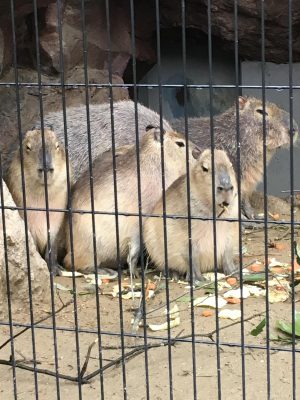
x,y
15,271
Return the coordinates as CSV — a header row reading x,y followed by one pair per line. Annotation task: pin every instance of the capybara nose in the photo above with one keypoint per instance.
x,y
48,168
294,131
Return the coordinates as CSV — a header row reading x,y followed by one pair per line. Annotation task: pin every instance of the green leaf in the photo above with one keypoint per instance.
x,y
254,277
209,290
184,299
297,251
288,328
260,327
58,286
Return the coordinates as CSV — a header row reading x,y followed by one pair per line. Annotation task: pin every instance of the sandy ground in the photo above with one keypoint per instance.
x,y
183,370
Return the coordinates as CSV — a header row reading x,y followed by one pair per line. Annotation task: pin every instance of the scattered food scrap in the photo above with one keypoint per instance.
x,y
207,313
237,293
209,301
70,274
174,320
287,327
230,314
259,328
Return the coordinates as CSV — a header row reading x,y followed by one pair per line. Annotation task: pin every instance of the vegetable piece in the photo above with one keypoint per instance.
x,y
259,328
231,281
207,313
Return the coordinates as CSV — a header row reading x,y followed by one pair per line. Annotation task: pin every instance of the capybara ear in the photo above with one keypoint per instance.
x,y
196,152
148,127
46,126
242,102
157,133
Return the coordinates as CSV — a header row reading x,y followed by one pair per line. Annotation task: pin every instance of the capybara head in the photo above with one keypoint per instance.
x,y
174,144
36,161
277,122
225,181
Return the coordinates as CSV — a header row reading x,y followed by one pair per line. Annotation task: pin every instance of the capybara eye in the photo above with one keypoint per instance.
x,y
180,144
57,145
262,112
219,188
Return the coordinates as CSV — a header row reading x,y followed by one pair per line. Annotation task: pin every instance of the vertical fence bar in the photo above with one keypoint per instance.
x,y
87,103
189,232
291,109
50,266
265,186
137,142
19,124
9,308
158,44
108,26
210,61
238,163
69,205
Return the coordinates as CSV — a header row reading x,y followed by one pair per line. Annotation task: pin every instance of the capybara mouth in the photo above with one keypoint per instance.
x,y
42,179
224,204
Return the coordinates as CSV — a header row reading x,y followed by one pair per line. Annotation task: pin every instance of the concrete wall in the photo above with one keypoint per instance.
x,y
197,72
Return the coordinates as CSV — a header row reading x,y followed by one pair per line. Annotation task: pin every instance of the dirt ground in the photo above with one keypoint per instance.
x,y
164,369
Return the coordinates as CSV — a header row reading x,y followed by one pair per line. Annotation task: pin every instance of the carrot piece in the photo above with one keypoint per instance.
x,y
233,300
257,267
277,270
296,266
207,313
231,281
280,246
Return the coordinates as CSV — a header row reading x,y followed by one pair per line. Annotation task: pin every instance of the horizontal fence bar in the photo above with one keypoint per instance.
x,y
140,336
142,85
146,215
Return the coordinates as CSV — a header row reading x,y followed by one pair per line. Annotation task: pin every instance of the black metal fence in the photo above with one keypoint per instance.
x,y
125,342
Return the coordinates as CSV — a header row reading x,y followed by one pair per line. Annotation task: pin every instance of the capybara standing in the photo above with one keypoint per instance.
x,y
251,138
201,202
35,163
127,192
100,129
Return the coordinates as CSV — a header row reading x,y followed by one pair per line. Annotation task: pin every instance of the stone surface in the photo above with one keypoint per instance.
x,y
249,25
51,97
17,264
97,44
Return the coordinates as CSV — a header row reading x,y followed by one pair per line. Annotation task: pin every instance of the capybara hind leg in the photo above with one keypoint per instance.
x,y
51,258
82,263
197,276
196,270
247,209
228,264
133,256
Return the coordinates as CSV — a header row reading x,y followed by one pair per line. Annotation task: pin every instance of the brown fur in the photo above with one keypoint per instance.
x,y
275,204
127,190
202,230
35,186
251,137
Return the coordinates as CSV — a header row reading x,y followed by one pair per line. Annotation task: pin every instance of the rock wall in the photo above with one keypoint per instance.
x,y
17,264
222,19
51,98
